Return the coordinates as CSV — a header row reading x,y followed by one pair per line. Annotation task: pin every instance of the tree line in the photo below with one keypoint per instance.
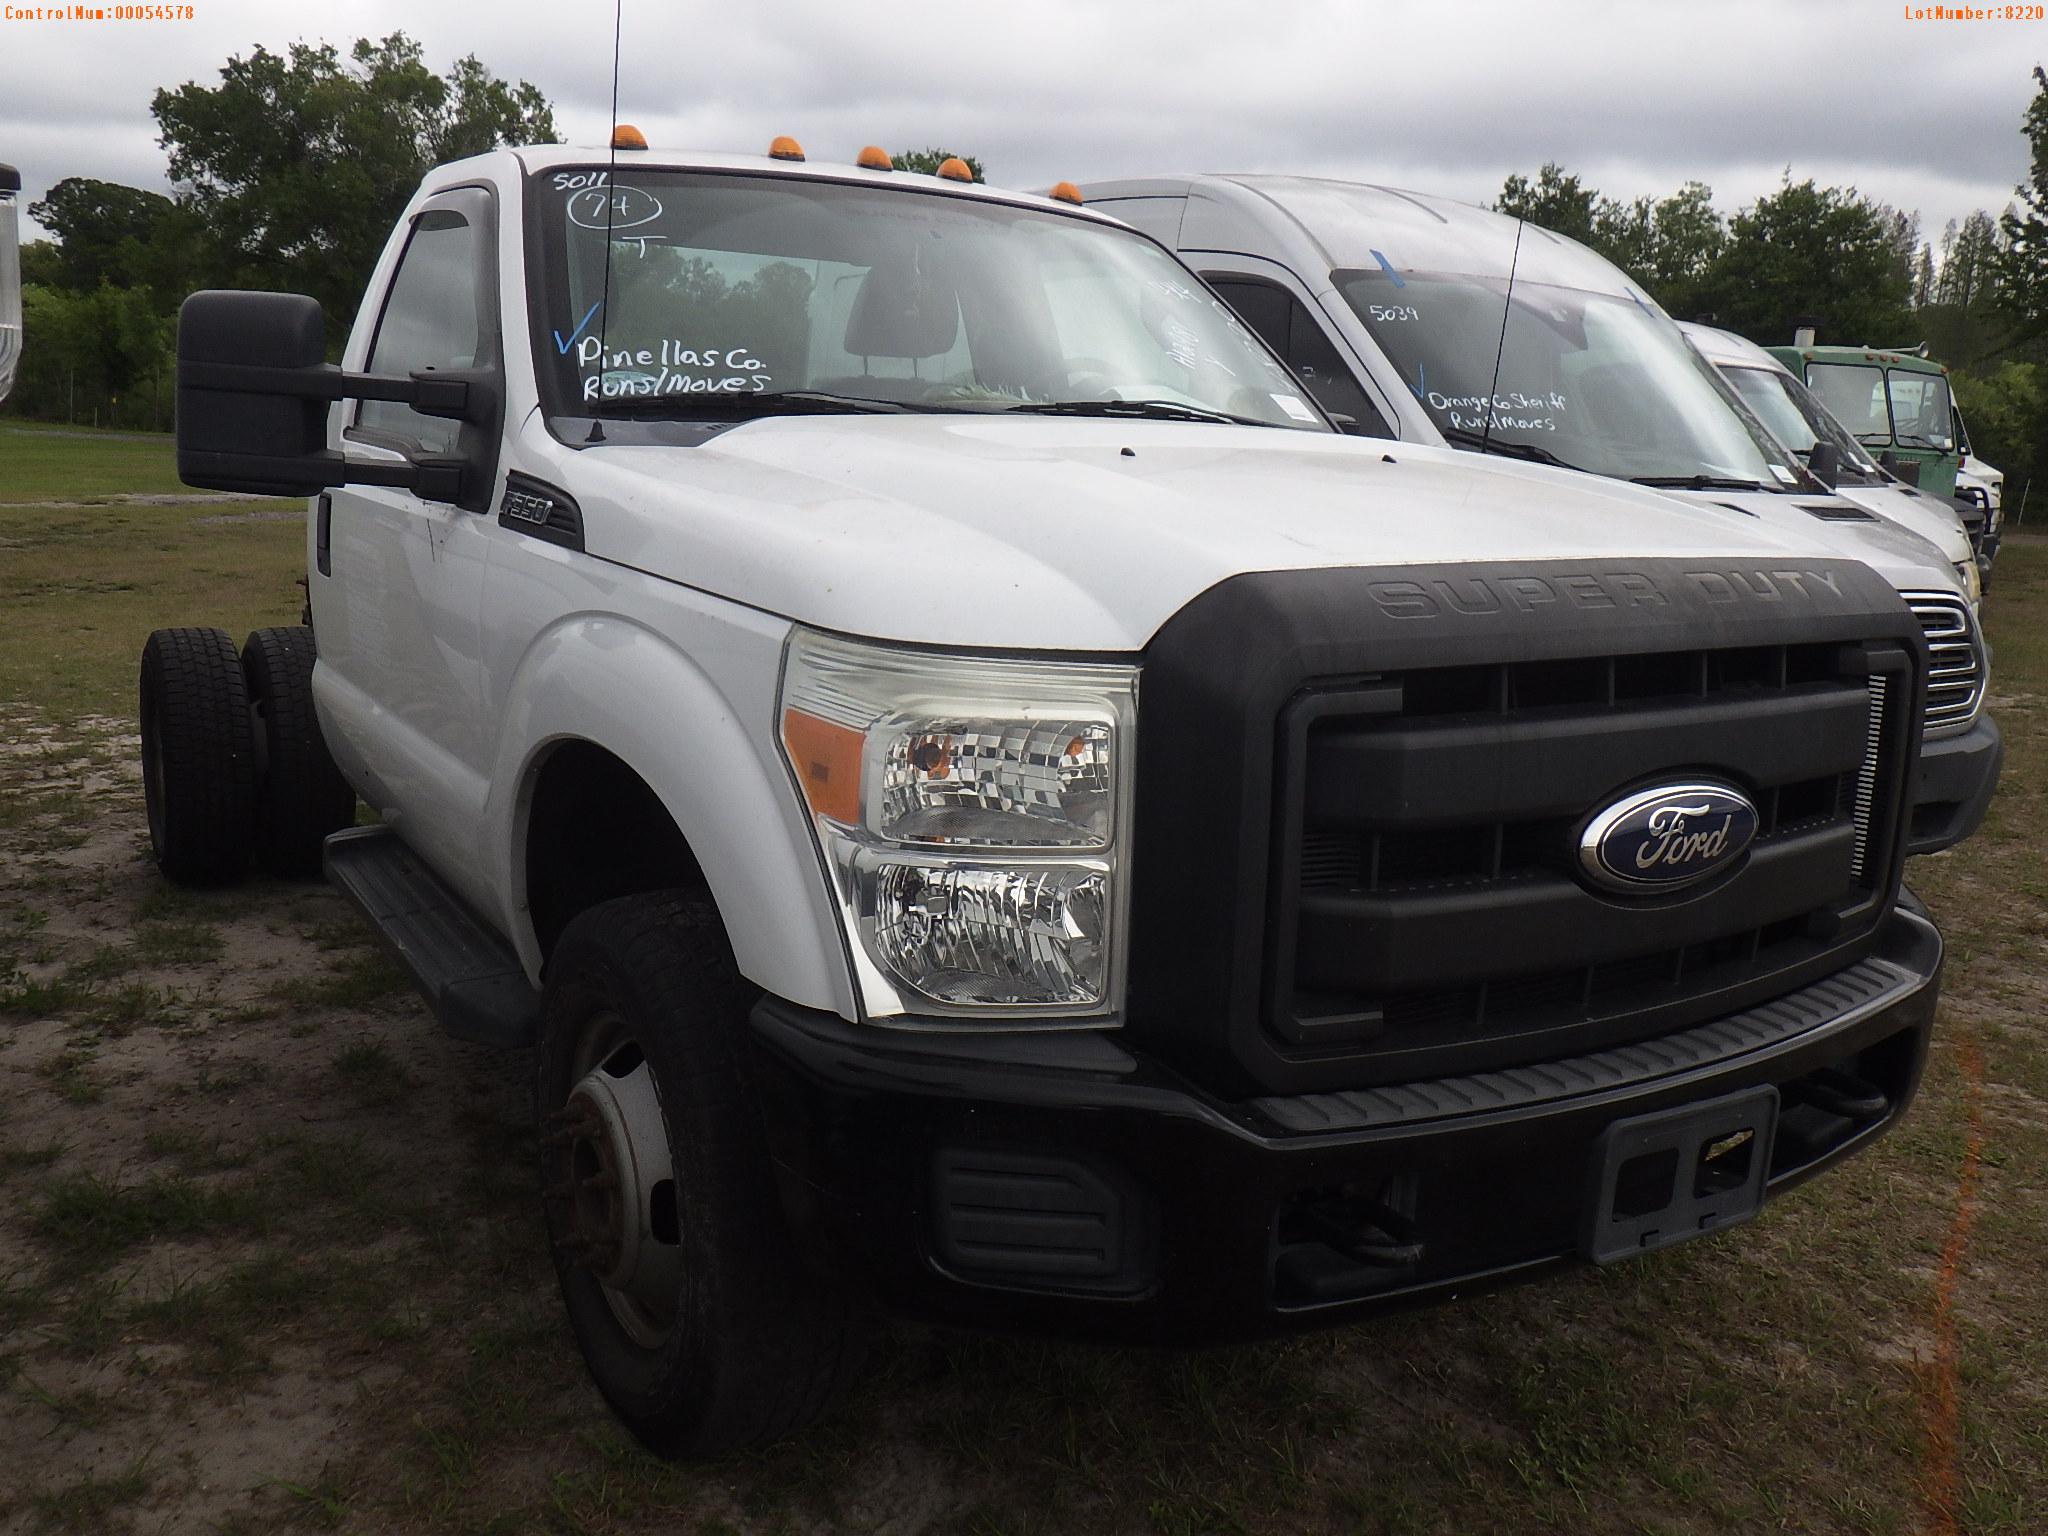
x,y
1976,296
288,174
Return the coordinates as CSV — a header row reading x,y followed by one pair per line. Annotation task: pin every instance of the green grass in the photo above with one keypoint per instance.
x,y
50,463
361,978
91,1221
82,587
87,1504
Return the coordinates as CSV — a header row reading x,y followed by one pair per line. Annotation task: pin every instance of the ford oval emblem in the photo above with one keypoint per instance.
x,y
1663,838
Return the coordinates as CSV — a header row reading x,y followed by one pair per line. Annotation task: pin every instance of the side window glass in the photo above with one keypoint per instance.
x,y
432,319
1324,373
1260,306
1289,329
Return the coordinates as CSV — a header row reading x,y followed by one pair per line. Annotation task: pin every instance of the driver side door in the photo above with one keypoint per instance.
x,y
404,639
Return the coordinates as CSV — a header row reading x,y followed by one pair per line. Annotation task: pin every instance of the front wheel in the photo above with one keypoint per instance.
x,y
700,1324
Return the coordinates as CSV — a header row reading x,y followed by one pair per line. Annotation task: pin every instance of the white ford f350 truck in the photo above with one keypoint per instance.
x,y
985,805
1427,320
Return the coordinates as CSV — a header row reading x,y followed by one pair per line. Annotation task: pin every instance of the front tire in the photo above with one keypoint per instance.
x,y
698,1320
198,756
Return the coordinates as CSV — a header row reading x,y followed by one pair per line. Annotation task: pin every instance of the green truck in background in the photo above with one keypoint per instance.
x,y
1897,404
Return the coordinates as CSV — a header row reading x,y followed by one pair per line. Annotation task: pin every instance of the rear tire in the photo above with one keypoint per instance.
x,y
696,1316
198,756
302,797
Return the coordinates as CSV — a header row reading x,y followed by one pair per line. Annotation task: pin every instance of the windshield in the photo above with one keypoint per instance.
x,y
1854,396
1797,419
733,295
1920,409
1598,382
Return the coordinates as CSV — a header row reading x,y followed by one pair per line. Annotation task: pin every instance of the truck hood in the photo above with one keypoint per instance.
x,y
1907,559
1087,535
1930,517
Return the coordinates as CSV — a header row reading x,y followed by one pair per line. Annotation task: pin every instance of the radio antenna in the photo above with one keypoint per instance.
x,y
611,197
1500,349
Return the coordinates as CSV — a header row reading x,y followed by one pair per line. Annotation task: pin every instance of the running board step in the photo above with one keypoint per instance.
x,y
468,975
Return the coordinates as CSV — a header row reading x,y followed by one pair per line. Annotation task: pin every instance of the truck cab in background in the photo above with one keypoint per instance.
x,y
1898,405
1796,417
10,276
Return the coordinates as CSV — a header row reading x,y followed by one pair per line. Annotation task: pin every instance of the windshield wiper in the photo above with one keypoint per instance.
x,y
1142,410
1699,483
776,402
1507,447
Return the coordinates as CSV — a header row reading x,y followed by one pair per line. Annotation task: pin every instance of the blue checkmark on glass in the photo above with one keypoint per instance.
x,y
562,347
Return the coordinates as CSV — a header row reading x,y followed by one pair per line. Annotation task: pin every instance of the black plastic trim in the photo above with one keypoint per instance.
x,y
323,534
1839,999
1494,1188
464,969
1211,809
1953,781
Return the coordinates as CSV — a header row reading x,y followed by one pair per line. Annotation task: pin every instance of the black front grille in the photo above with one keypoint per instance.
x,y
1361,793
1427,911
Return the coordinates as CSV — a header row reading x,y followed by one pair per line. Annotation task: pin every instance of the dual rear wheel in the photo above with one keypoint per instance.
x,y
234,772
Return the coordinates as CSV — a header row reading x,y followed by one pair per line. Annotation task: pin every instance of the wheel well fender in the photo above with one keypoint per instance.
x,y
626,766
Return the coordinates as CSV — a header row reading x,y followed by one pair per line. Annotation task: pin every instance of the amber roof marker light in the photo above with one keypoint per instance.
x,y
783,147
874,158
1065,192
626,136
953,168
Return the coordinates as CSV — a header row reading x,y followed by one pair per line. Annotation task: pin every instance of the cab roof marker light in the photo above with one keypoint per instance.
x,y
874,158
953,168
783,147
1065,192
626,136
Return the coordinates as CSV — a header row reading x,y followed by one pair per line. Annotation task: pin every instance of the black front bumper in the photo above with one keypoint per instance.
x,y
1055,1182
1952,786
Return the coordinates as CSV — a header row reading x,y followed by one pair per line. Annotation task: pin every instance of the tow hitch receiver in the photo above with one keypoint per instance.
x,y
1661,1178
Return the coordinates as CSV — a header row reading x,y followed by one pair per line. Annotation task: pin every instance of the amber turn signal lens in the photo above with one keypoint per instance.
x,y
826,758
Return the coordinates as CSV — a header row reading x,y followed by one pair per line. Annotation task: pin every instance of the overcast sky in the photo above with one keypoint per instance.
x,y
1635,97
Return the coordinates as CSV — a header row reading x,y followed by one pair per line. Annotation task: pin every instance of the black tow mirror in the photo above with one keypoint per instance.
x,y
1824,463
1907,470
253,393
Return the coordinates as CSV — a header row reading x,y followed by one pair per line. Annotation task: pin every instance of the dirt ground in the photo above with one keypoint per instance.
x,y
270,1256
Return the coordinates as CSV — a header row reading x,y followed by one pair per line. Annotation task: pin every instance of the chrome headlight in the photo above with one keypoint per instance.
x,y
973,815
1971,580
